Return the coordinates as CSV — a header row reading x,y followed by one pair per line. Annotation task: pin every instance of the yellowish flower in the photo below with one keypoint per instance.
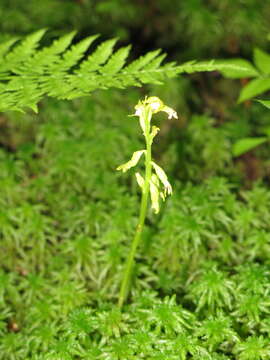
x,y
156,105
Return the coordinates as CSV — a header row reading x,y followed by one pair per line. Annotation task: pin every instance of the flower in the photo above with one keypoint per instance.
x,y
156,105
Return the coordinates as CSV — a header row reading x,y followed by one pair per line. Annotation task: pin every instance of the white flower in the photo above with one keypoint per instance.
x,y
171,113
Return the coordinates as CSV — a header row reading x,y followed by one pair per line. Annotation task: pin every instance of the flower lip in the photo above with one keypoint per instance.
x,y
171,113
155,105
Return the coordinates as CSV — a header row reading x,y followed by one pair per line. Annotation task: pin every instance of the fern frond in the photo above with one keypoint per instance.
x,y
98,58
4,47
29,73
21,52
142,61
204,66
48,56
77,51
117,61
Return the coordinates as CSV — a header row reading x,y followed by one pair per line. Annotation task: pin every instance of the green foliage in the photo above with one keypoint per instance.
x,y
218,332
260,72
244,145
254,349
249,72
66,220
254,88
261,60
201,279
266,103
208,146
27,73
213,289
231,26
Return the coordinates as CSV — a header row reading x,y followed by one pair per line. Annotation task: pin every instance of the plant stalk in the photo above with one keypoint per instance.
x,y
125,285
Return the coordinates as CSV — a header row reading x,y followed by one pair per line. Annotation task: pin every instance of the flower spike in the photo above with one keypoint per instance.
x,y
154,184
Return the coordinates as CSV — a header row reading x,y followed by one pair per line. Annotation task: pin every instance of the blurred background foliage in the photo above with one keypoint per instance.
x,y
186,29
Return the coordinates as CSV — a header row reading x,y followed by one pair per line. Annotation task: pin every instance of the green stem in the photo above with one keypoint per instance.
x,y
143,209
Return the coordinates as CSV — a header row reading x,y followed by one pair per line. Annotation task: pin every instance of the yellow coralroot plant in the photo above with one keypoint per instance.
x,y
154,181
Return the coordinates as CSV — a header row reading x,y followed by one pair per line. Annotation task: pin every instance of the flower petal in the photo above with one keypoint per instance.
x,y
171,113
163,178
132,162
154,193
140,180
